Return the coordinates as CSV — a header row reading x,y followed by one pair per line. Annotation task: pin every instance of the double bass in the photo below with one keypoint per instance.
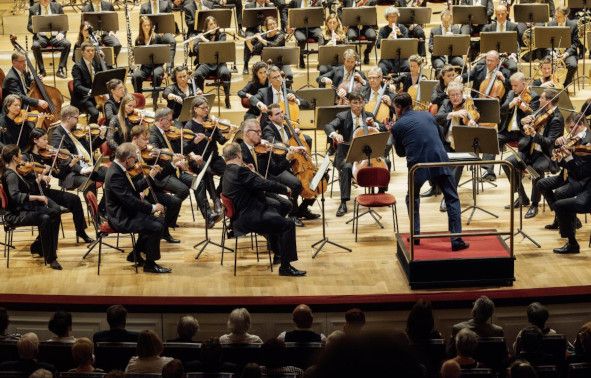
x,y
38,90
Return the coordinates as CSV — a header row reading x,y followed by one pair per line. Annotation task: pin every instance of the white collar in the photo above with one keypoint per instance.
x,y
119,164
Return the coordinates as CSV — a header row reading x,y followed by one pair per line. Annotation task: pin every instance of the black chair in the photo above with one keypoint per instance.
x,y
182,351
492,352
548,371
477,373
142,375
74,374
579,370
302,355
555,345
209,375
114,356
431,354
241,354
58,354
12,374
8,351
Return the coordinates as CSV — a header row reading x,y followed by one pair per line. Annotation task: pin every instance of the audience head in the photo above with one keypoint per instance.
x,y
60,323
83,352
583,341
187,327
28,346
522,369
354,320
483,309
3,321
420,323
239,319
450,369
302,316
537,314
273,352
531,339
251,370
117,317
173,369
466,342
41,373
149,344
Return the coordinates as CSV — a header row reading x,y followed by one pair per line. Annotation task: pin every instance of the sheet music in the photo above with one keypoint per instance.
x,y
462,156
197,180
320,173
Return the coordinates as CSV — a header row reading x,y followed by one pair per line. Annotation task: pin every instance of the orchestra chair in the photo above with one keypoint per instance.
x,y
73,374
477,373
555,346
228,232
114,355
51,49
185,352
140,100
58,354
370,178
579,370
103,229
8,351
302,355
492,351
241,354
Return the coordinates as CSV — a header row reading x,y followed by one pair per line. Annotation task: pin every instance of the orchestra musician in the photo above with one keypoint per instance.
x,y
116,90
13,131
368,31
501,24
258,81
571,54
107,37
414,30
254,30
84,37
393,30
146,37
484,70
83,73
120,125
212,34
159,7
344,78
334,34
340,130
54,39
446,28
128,212
408,79
547,79
247,191
303,34
18,80
191,9
541,130
447,74
26,206
416,136
180,89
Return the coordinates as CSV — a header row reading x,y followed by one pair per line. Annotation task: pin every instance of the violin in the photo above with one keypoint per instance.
x,y
49,153
468,105
24,169
533,127
174,133
141,168
524,97
275,148
31,116
82,131
224,125
151,153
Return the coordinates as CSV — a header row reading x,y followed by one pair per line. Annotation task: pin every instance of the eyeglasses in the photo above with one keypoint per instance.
x,y
203,107
255,131
374,77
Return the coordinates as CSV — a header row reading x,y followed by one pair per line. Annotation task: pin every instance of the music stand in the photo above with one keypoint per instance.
x,y
316,97
584,5
469,14
552,37
281,56
254,17
313,184
163,23
450,45
414,15
50,24
357,17
222,16
152,55
332,55
217,53
323,115
306,18
401,48
185,114
99,84
107,51
103,21
426,90
531,13
502,42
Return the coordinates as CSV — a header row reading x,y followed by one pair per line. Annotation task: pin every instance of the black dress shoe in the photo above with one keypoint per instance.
x,y
489,176
307,214
139,259
433,191
36,248
291,271
228,106
55,265
302,63
531,212
552,226
155,268
342,210
297,222
42,73
518,202
169,239
245,71
85,238
213,218
61,73
458,246
568,248
443,206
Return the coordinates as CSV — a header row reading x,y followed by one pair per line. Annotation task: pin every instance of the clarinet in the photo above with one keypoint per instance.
x,y
130,59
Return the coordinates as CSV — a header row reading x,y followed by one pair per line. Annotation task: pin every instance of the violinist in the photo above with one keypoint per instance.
x,y
258,81
180,89
367,31
408,79
27,207
393,30
447,74
147,36
159,7
571,54
116,92
483,71
120,126
540,129
302,35
212,33
446,28
275,131
273,94
334,34
14,123
547,79
83,73
128,212
18,80
107,37
41,152
344,78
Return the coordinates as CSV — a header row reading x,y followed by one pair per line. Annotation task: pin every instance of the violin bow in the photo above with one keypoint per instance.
x,y
59,147
20,133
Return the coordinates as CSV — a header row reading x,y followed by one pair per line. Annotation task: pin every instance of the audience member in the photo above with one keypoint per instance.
x,y
83,356
28,348
173,369
117,319
4,322
41,373
583,343
335,335
60,325
466,344
115,374
251,370
186,329
273,351
450,369
420,324
148,359
537,315
354,321
531,346
522,369
211,359
303,320
238,326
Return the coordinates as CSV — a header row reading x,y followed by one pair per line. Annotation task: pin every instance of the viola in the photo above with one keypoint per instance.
x,y
49,153
275,148
82,131
174,133
141,169
30,166
150,153
538,122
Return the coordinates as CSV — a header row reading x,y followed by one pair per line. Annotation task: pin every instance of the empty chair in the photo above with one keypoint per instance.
x,y
477,373
114,356
492,351
302,355
431,354
185,352
57,354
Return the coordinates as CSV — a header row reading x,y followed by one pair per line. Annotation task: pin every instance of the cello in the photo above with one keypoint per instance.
x,y
380,110
51,95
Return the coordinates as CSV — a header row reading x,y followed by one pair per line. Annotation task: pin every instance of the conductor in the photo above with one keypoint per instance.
x,y
416,136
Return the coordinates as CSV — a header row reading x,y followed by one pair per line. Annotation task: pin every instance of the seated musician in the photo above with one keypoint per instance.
x,y
255,213
84,37
408,79
334,34
83,74
128,212
27,207
116,90
176,177
303,34
18,80
212,33
547,78
254,30
393,30
172,203
345,78
340,130
13,129
160,7
446,28
107,37
191,9
276,131
44,39
368,31
475,29
120,125
570,56
38,145
75,172
415,30
535,148
571,181
147,37
482,71
501,24
258,81
447,74
180,89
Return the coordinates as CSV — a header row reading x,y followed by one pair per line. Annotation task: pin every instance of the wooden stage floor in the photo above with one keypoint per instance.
x,y
371,273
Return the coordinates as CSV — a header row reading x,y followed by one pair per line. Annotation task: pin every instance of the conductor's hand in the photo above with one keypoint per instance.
x,y
158,208
338,138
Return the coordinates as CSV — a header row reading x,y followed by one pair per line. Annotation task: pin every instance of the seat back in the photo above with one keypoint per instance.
x,y
302,355
140,100
431,354
8,351
3,198
241,354
555,345
73,374
114,356
92,204
374,177
579,370
13,374
57,354
548,371
492,351
105,149
185,352
477,373
228,206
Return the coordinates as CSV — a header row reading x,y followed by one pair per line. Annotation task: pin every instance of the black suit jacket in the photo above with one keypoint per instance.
x,y
157,140
105,5
13,85
276,165
165,7
553,129
35,10
175,106
438,30
68,144
574,36
83,82
115,336
507,114
336,74
343,124
386,30
265,95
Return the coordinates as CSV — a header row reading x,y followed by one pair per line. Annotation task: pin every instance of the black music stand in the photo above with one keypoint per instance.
x,y
398,49
49,24
316,97
451,45
185,114
222,16
426,90
358,17
503,42
99,84
332,55
325,114
103,21
306,18
254,17
584,6
153,55
217,53
414,15
163,23
281,56
531,13
469,15
552,37
313,185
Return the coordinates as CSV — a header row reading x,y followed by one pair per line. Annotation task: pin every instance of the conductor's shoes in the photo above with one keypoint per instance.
x,y
459,245
155,268
342,210
139,259
291,271
434,191
568,248
531,212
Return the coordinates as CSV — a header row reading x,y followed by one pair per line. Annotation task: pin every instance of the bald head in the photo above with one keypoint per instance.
x,y
302,316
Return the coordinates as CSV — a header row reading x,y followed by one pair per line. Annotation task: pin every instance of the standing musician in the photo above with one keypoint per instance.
x,y
147,36
541,130
570,56
83,74
344,78
159,7
415,30
368,31
28,207
107,37
503,25
258,81
547,79
18,80
211,34
120,125
340,130
54,39
446,28
14,126
39,145
334,35
128,212
116,90
180,89
247,191
393,30
416,136
447,74
276,131
303,34
483,71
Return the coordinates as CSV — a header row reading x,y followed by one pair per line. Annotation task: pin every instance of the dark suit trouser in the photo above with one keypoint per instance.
x,y
540,163
169,39
389,66
282,235
571,69
279,203
200,193
369,32
112,41
71,202
150,232
301,36
42,41
418,33
47,219
219,70
288,179
172,204
88,106
142,73
439,61
567,209
345,174
504,137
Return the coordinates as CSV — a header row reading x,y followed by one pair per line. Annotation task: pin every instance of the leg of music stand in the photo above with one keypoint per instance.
x,y
322,242
520,229
205,242
474,205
